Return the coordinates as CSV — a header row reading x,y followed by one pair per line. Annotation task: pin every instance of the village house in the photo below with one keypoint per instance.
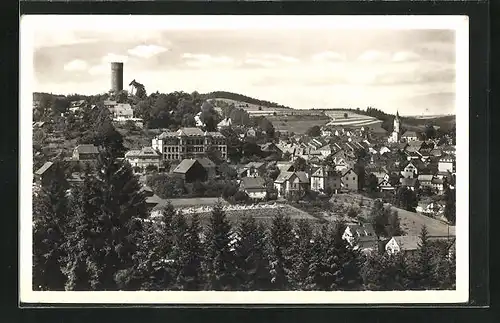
x,y
122,111
285,166
152,200
409,136
286,182
385,185
254,169
425,180
271,148
190,170
251,132
430,208
350,180
405,244
189,143
77,105
110,105
447,164
254,187
44,174
409,170
438,184
353,231
411,183
209,166
326,179
143,158
225,123
85,152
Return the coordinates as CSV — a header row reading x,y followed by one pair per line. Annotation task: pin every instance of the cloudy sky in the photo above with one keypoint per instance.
x,y
409,70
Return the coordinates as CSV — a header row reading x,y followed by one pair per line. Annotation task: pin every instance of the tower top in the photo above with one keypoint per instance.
x,y
397,114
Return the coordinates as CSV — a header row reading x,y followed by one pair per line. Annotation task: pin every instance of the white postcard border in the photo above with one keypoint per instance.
x,y
55,22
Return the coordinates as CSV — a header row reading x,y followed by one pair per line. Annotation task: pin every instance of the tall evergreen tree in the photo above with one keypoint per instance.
x,y
334,264
422,271
106,223
190,276
220,260
281,237
384,272
252,260
450,205
50,210
301,248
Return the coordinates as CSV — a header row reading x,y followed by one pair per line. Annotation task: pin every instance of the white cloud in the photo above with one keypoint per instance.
x,y
110,57
405,56
147,51
276,57
76,65
100,69
328,55
205,60
259,62
372,56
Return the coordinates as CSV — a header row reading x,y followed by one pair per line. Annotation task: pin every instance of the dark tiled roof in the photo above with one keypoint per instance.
x,y
407,242
410,182
87,149
302,176
283,177
44,168
184,166
205,162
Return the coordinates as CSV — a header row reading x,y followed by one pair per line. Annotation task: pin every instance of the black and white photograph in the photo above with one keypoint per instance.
x,y
195,159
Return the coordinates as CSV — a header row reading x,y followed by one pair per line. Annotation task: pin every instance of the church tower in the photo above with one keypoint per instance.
x,y
397,124
396,133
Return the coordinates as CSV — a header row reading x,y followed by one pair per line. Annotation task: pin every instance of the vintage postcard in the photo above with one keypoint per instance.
x,y
244,159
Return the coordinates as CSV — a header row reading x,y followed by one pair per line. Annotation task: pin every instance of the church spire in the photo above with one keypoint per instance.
x,y
397,114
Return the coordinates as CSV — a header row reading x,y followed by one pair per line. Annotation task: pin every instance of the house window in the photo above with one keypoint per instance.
x,y
346,185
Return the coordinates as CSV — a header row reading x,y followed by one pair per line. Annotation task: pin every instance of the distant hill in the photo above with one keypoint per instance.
x,y
218,95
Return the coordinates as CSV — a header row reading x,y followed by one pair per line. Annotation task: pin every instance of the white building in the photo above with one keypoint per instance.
x,y
396,133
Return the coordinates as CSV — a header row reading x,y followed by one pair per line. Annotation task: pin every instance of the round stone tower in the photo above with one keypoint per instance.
x,y
116,77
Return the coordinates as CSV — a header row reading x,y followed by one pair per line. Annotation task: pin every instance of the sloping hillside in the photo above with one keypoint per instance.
x,y
235,97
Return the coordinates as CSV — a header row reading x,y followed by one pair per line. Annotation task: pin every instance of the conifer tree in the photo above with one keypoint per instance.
x,y
281,237
106,223
50,211
422,262
220,260
301,247
190,276
252,260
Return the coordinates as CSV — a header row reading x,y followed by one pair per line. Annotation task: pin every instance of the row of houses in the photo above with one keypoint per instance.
x,y
363,238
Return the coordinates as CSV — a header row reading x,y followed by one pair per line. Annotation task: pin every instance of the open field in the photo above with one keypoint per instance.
x,y
261,212
353,119
249,106
298,125
411,222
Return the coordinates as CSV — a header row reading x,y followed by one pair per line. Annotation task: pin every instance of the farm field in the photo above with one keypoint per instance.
x,y
411,222
249,106
262,212
297,126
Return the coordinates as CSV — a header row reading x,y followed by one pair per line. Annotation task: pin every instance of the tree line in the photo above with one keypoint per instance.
x,y
99,236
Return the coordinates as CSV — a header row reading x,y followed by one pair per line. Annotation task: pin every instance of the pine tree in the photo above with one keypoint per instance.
x,y
252,260
50,211
301,253
281,237
190,276
384,272
393,227
334,264
107,223
423,268
220,260
450,205
180,233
